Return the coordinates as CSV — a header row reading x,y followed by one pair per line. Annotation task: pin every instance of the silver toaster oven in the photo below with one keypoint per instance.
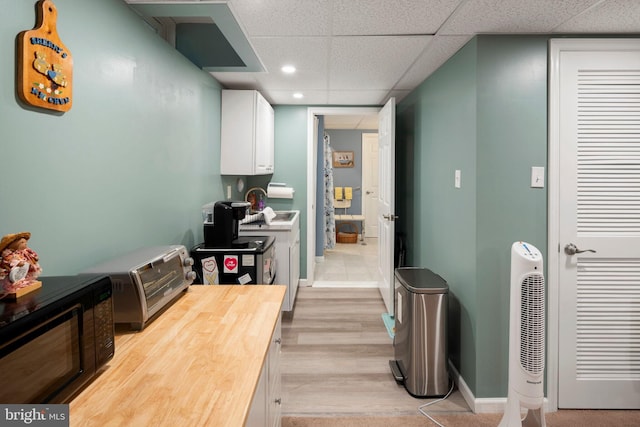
x,y
146,280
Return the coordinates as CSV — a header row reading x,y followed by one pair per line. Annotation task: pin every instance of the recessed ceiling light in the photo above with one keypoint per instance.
x,y
288,69
298,95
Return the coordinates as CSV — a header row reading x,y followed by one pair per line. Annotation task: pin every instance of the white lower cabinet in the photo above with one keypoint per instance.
x,y
274,398
258,414
287,256
266,407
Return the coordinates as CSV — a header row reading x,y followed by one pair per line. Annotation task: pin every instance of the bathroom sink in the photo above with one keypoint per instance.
x,y
283,216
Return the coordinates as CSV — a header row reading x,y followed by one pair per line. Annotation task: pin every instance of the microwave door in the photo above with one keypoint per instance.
x,y
44,360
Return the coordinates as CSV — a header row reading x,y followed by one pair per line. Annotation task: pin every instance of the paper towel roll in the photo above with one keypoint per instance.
x,y
279,192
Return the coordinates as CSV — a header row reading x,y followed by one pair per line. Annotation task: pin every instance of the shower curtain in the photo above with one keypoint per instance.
x,y
329,213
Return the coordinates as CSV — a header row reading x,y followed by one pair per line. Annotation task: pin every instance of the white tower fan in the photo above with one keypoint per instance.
x,y
526,339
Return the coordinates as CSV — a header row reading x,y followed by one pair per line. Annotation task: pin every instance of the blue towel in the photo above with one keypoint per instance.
x,y
390,324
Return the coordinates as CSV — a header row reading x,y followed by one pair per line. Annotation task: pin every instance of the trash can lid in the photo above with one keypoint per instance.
x,y
421,280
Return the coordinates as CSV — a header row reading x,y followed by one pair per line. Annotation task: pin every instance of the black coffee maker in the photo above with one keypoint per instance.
x,y
223,233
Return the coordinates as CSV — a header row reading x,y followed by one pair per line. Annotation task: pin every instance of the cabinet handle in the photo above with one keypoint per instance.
x,y
278,401
278,340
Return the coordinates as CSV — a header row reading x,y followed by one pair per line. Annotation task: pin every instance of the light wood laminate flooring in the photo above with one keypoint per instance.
x,y
335,358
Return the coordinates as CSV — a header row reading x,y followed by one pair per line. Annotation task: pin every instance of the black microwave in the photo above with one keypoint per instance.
x,y
55,339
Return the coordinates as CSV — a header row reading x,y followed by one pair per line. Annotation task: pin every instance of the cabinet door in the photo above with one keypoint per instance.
x,y
259,411
294,268
274,399
275,410
246,134
237,133
264,149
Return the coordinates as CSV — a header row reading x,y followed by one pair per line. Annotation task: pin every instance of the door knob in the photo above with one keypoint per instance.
x,y
572,249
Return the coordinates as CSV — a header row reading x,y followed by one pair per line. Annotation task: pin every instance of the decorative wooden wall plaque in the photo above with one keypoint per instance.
x,y
45,65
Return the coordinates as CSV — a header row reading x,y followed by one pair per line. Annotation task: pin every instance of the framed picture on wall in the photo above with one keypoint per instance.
x,y
343,159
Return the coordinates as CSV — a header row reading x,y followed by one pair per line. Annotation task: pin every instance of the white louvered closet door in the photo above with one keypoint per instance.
x,y
599,187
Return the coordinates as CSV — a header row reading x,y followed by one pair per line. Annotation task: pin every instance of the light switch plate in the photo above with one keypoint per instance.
x,y
457,179
537,177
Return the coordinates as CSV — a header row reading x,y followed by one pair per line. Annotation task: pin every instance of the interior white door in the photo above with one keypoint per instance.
x,y
599,226
386,199
312,186
370,183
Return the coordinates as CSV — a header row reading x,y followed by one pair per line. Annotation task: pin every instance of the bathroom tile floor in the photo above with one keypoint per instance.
x,y
349,265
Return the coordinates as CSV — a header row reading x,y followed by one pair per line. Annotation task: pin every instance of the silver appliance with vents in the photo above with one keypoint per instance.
x,y
146,280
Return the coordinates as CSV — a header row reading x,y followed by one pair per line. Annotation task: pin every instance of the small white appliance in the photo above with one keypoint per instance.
x,y
526,338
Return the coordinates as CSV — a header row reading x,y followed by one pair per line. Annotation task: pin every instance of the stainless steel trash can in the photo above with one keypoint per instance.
x,y
420,341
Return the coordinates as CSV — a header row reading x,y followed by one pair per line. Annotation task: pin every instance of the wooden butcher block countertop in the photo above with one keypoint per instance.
x,y
197,364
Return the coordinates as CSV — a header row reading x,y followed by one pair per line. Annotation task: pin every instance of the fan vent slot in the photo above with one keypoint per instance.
x,y
532,323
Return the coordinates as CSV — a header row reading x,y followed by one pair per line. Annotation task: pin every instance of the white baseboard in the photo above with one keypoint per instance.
x,y
485,405
478,406
303,283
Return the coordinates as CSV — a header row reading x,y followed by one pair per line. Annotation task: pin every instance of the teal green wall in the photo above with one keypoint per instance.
x,y
483,112
511,138
130,164
442,232
290,167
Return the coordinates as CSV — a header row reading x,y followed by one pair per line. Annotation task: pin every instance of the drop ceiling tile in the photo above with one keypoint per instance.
x,y
357,97
612,16
309,55
368,122
355,121
284,17
284,97
372,55
372,62
341,121
367,17
512,16
439,50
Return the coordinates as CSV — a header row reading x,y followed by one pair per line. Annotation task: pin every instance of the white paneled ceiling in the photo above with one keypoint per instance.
x,y
351,121
361,52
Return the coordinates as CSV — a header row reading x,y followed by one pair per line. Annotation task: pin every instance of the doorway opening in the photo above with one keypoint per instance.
x,y
333,264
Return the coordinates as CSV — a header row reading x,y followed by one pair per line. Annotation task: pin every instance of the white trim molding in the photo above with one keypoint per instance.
x,y
485,405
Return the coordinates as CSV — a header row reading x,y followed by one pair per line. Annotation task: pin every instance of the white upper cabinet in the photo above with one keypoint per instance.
x,y
247,134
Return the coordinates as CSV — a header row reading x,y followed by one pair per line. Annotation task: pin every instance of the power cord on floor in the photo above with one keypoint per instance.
x,y
433,402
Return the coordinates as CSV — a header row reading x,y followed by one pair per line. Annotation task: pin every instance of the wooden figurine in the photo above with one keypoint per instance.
x,y
19,266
